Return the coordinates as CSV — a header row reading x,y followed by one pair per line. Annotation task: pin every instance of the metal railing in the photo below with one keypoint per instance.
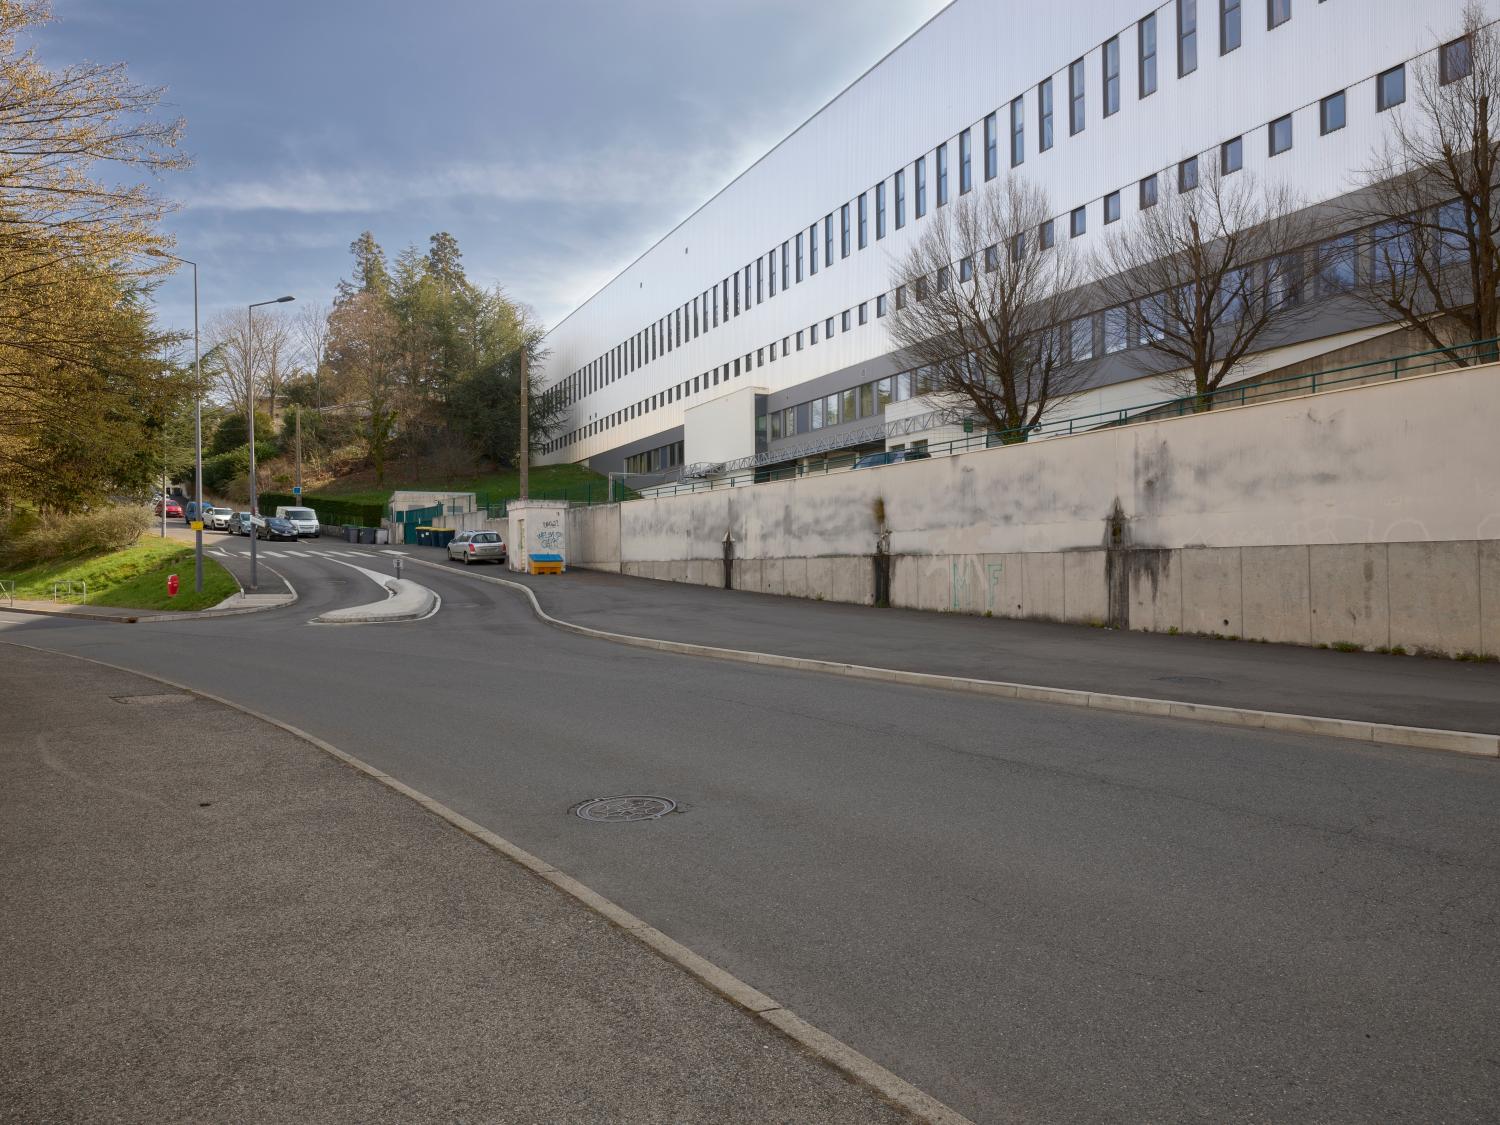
x,y
1247,393
63,591
8,590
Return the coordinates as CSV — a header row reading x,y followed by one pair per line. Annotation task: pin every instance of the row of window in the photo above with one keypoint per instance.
x,y
657,460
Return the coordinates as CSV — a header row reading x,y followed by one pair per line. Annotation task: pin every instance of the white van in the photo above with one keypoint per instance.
x,y
305,520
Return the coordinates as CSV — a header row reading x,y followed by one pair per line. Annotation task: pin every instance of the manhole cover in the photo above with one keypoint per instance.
x,y
152,700
633,806
1200,681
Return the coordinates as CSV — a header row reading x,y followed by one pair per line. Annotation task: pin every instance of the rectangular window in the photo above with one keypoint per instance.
x,y
800,336
1231,155
844,229
919,185
882,393
1187,174
880,304
942,175
812,249
1281,135
992,252
1390,88
1331,113
1112,76
773,272
1229,26
1187,37
1078,222
1046,234
966,270
1148,192
1115,331
864,219
900,198
1455,61
866,400
716,306
736,293
880,210
1278,12
844,319
1017,132
800,256
1112,208
1044,115
1336,266
786,267
848,406
864,312
814,332
1075,98
831,410
828,240
760,280
1146,35
1082,338
828,328
817,414
991,148
965,161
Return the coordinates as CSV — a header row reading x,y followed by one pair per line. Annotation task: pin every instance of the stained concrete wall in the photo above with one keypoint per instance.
x,y
1369,516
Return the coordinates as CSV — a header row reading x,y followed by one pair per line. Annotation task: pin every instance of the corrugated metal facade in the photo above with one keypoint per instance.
x,y
971,60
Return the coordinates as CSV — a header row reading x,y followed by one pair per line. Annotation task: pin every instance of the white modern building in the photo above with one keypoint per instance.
x,y
754,332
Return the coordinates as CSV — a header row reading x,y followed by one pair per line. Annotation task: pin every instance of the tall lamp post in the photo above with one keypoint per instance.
x,y
197,427
250,419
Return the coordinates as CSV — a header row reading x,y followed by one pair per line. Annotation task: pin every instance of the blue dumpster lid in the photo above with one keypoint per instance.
x,y
544,558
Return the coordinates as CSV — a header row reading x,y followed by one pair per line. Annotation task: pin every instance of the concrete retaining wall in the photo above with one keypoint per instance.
x,y
1368,516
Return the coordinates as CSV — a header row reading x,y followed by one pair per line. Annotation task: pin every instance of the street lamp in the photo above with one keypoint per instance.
x,y
197,426
250,420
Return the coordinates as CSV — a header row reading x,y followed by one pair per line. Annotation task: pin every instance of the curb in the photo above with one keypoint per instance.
x,y
423,602
1472,743
822,1046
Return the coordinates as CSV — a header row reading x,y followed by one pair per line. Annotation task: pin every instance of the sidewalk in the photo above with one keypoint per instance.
x,y
205,918
1408,691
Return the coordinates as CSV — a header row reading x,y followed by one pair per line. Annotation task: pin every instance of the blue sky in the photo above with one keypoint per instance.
x,y
556,139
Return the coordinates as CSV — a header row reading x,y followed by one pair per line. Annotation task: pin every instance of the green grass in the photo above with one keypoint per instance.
x,y
572,481
135,578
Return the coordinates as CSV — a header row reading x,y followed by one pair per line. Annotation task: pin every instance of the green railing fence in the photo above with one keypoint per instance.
x,y
1241,394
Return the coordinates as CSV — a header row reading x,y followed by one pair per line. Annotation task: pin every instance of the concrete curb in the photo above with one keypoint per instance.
x,y
1423,738
406,601
822,1046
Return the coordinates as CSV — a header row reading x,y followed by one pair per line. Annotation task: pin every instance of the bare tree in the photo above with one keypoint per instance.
x,y
1206,275
228,356
985,307
275,356
312,333
1431,197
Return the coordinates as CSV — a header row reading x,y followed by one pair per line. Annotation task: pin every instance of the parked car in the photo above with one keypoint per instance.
x,y
891,457
172,506
274,527
217,519
477,546
305,520
240,523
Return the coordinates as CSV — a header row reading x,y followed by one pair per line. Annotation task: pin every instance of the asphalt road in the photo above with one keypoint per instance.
x,y
1033,912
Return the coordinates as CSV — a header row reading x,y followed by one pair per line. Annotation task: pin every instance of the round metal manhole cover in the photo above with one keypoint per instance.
x,y
634,806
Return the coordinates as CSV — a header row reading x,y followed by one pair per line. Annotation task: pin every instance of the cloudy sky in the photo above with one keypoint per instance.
x,y
556,139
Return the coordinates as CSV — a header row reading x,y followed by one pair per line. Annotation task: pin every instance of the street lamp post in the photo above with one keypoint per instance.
x,y
197,427
250,420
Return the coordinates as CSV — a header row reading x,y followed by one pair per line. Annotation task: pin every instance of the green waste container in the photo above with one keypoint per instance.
x,y
424,536
442,536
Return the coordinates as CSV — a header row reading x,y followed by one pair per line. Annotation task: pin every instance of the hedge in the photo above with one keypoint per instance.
x,y
330,511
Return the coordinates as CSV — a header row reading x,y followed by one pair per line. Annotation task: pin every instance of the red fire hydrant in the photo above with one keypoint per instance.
x,y
171,585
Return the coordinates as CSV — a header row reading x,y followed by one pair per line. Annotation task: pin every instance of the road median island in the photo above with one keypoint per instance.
x,y
192,889
405,601
1476,743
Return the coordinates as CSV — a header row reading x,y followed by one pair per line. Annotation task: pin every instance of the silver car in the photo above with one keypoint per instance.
x,y
477,546
217,519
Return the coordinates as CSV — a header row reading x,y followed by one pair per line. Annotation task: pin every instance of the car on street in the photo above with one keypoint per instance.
x,y
274,527
217,519
240,523
891,457
477,546
305,520
172,506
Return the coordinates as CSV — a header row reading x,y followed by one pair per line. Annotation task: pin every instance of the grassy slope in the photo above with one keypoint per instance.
x,y
546,480
135,578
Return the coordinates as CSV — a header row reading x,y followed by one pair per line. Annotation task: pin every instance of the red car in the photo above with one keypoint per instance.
x,y
173,508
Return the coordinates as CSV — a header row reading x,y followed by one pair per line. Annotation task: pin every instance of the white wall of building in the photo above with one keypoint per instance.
x,y
970,60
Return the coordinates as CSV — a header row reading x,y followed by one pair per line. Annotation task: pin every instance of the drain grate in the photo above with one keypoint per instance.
x,y
152,700
633,806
